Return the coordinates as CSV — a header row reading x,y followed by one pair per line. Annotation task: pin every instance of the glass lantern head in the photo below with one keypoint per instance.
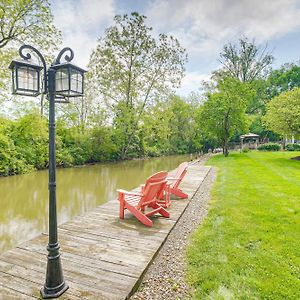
x,y
68,80
25,78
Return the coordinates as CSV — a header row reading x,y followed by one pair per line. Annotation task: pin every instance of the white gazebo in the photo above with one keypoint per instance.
x,y
250,137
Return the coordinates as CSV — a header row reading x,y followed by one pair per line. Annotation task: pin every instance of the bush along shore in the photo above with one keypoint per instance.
x,y
24,145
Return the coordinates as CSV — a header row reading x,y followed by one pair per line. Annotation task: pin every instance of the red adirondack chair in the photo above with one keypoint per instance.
x,y
164,195
175,179
136,202
172,187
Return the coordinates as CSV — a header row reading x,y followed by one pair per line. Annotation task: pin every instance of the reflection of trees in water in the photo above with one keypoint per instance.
x,y
24,195
16,231
24,198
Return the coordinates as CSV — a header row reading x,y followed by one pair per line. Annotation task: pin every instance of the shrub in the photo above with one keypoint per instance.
x,y
246,150
152,151
269,147
292,147
30,137
103,146
10,161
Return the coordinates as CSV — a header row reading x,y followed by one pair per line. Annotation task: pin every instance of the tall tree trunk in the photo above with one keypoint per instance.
x,y
226,135
226,150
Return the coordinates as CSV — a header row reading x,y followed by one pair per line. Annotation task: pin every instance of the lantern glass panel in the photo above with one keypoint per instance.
x,y
14,74
62,80
27,78
76,81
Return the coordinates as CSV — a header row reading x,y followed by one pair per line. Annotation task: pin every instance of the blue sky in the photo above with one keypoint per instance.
x,y
202,27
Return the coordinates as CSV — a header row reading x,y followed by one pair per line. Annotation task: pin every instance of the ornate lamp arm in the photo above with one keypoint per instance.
x,y
27,56
67,57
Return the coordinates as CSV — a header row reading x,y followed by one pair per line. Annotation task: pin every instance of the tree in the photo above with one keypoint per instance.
x,y
131,69
84,112
181,125
224,111
156,130
283,113
27,21
245,62
284,79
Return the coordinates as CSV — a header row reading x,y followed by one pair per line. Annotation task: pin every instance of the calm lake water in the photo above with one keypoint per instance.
x,y
24,198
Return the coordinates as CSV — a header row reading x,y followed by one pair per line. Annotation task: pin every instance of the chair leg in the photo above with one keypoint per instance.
x,y
164,198
122,207
140,216
164,213
168,196
179,193
121,215
161,210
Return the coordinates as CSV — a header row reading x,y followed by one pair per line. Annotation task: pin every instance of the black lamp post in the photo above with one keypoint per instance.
x,y
61,81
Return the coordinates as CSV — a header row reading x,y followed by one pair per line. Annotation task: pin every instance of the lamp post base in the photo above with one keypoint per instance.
x,y
55,284
55,292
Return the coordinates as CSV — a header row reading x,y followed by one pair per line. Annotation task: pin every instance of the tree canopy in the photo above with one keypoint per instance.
x,y
27,21
224,111
24,21
283,113
131,70
283,79
245,61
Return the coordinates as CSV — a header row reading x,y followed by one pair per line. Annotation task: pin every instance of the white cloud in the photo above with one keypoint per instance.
x,y
192,82
203,26
81,22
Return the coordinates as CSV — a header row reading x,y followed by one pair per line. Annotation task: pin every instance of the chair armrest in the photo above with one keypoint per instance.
x,y
173,178
128,193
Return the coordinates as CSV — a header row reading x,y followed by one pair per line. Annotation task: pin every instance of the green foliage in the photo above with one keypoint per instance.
x,y
24,22
257,104
257,126
283,79
30,136
10,162
131,69
224,112
292,147
170,128
29,21
21,149
247,247
245,62
283,113
269,147
181,126
103,145
155,130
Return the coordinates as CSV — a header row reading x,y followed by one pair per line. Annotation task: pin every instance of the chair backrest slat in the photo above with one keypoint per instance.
x,y
154,186
180,172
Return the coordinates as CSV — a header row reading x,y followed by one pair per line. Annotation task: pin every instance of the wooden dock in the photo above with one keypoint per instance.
x,y
102,257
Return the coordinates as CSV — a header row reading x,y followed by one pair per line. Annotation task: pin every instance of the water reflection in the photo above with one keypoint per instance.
x,y
24,198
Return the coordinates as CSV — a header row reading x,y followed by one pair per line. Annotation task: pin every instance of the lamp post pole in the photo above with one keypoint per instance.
x,y
61,81
55,284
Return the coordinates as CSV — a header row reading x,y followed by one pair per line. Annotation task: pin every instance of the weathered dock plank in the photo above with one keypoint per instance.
x,y
9,294
103,257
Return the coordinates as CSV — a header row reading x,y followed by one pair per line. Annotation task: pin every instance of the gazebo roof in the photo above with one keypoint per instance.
x,y
249,135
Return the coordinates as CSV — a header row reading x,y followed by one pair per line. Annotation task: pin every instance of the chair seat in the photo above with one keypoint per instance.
x,y
132,200
137,203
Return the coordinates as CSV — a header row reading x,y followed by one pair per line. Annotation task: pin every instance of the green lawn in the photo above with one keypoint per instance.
x,y
249,244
